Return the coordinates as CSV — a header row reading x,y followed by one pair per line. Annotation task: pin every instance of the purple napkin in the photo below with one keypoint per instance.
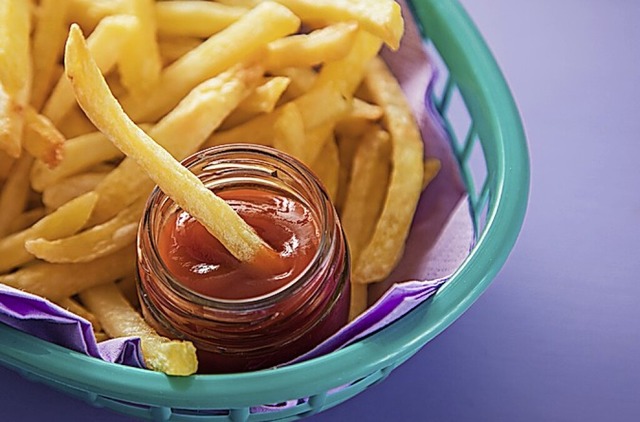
x,y
440,239
48,321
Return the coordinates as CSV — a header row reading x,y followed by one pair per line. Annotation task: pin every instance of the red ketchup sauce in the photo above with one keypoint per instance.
x,y
243,317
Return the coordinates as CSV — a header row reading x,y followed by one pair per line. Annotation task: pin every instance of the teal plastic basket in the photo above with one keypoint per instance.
x,y
497,198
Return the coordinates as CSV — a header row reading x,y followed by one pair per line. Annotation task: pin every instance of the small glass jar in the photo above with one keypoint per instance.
x,y
259,332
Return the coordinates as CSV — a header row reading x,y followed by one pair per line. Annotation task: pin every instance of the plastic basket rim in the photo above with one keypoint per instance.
x,y
84,372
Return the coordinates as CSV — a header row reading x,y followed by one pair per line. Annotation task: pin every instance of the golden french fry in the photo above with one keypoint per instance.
x,y
139,63
176,181
195,18
431,170
387,244
265,23
73,306
120,319
289,134
347,147
383,18
358,304
180,132
319,106
172,48
58,281
48,42
305,50
54,196
301,80
15,72
367,190
15,192
41,138
93,243
80,154
88,13
327,166
265,97
347,73
26,219
63,222
75,124
106,44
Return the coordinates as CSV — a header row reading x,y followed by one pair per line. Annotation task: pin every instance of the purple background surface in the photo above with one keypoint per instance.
x,y
555,337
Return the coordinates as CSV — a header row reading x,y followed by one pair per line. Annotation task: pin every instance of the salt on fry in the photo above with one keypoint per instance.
x,y
58,281
176,181
93,243
63,222
106,43
387,244
120,319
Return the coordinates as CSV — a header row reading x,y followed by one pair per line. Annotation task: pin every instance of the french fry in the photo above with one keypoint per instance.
x,y
54,196
80,154
139,63
387,244
195,18
72,305
367,190
347,73
265,23
327,165
176,181
75,124
358,300
65,221
15,193
5,165
15,72
93,243
88,13
120,319
180,132
41,138
289,133
59,281
48,42
262,100
301,80
172,48
106,44
383,18
26,219
305,50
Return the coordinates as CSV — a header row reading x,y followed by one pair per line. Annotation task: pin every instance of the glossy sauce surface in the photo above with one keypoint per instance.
x,y
202,264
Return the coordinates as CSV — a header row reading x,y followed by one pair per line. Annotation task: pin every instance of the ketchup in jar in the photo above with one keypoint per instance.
x,y
240,317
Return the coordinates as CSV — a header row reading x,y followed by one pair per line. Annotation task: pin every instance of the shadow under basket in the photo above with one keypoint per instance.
x,y
490,138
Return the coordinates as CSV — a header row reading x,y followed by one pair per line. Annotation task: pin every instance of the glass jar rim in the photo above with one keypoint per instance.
x,y
326,219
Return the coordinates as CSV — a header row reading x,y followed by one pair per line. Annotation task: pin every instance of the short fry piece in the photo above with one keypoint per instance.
x,y
92,243
383,18
65,221
15,192
320,46
41,138
267,22
106,43
195,18
48,42
367,190
176,181
58,281
387,244
120,319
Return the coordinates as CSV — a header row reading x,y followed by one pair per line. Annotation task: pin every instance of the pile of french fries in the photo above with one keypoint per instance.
x,y
89,125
